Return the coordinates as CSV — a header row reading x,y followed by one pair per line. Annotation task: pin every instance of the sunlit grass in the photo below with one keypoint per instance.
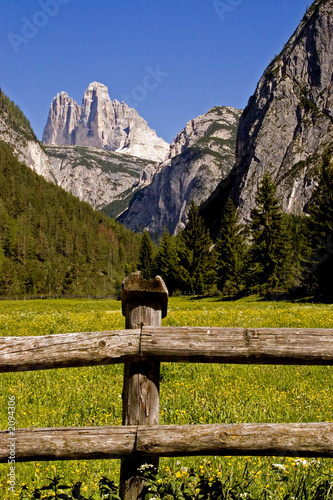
x,y
190,393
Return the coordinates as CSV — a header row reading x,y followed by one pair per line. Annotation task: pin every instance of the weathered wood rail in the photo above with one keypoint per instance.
x,y
141,348
71,443
182,344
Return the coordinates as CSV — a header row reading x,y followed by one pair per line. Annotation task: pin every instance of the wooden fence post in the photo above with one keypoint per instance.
x,y
144,303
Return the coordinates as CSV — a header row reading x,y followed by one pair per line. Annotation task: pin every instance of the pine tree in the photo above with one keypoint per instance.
x,y
270,249
231,252
320,230
167,262
297,226
197,257
146,256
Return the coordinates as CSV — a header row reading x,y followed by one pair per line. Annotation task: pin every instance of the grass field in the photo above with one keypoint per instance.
x,y
190,393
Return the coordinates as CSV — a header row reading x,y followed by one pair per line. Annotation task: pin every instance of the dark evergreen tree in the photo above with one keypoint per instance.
x,y
270,249
197,269
167,262
146,256
231,253
300,247
319,269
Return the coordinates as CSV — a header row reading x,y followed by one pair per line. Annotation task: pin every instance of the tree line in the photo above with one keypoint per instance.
x,y
274,253
16,117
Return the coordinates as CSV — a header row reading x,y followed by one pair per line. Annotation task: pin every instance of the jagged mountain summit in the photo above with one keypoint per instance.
x,y
202,153
288,122
102,123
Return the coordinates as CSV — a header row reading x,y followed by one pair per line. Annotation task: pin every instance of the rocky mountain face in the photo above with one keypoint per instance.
x,y
102,123
199,156
288,122
63,116
21,138
104,179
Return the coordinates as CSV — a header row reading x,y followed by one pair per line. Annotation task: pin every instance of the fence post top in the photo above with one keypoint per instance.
x,y
135,286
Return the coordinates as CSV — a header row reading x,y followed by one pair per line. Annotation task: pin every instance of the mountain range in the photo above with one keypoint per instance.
x,y
51,242
200,155
105,153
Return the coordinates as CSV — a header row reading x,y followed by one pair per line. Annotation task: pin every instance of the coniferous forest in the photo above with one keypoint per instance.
x,y
274,255
52,243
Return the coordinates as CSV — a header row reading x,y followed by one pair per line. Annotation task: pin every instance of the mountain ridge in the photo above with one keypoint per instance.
x,y
202,152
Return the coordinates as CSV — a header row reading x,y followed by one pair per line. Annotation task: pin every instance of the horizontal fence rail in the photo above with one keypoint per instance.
x,y
68,350
182,344
298,440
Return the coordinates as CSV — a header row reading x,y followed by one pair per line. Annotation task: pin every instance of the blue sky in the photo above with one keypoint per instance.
x,y
172,59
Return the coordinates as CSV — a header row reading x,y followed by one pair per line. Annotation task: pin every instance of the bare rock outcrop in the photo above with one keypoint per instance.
x,y
288,122
63,117
102,123
199,156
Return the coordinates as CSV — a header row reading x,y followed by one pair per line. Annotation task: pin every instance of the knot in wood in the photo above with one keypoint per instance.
x,y
150,446
102,343
223,437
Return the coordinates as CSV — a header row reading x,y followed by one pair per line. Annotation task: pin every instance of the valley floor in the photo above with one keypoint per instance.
x,y
190,393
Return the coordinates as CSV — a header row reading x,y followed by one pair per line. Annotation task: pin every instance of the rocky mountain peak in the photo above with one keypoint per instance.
x,y
202,153
288,122
102,123
97,87
63,116
218,123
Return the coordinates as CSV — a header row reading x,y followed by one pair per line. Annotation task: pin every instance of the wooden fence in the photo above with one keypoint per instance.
x,y
141,347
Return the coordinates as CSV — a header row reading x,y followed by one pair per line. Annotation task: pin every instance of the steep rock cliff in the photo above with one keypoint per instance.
x,y
199,156
288,122
102,123
63,117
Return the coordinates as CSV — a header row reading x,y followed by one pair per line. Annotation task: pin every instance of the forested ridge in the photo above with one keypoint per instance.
x,y
52,243
16,117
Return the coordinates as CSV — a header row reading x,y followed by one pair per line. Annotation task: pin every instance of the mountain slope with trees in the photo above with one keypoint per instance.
x,y
50,242
15,129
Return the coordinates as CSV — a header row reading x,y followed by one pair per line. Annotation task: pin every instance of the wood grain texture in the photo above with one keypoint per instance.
x,y
69,443
69,349
295,440
139,442
238,345
144,302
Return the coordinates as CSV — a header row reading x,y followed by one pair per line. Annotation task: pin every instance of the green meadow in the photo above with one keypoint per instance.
x,y
190,393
